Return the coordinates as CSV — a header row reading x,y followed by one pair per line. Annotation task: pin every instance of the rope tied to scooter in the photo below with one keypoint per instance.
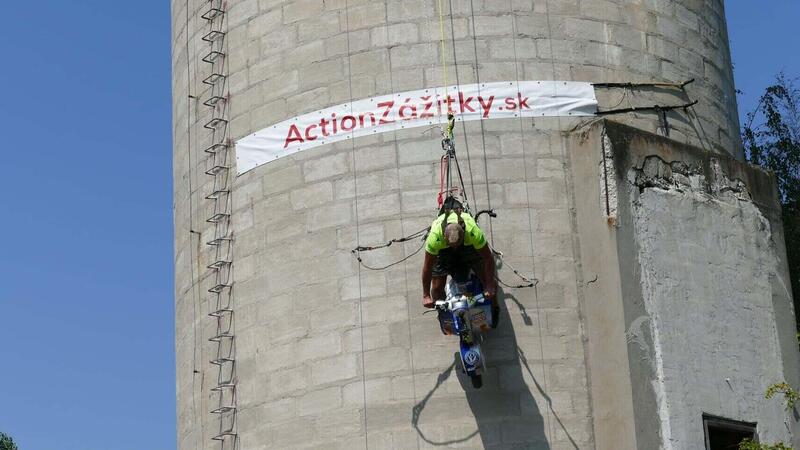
x,y
527,282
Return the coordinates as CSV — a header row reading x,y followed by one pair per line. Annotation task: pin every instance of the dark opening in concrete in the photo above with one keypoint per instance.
x,y
726,434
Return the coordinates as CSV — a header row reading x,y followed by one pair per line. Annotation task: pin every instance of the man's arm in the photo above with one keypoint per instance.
x,y
488,270
427,275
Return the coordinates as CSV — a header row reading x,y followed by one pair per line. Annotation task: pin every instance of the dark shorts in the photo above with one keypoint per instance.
x,y
458,262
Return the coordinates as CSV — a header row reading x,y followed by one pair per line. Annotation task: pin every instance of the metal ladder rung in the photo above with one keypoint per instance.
x,y
222,387
223,409
214,101
217,194
213,56
217,169
213,35
212,14
214,148
213,79
215,123
218,217
221,336
216,289
221,361
218,264
223,435
219,240
220,312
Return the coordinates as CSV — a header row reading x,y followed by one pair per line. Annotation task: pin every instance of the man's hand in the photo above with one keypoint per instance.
x,y
427,301
489,292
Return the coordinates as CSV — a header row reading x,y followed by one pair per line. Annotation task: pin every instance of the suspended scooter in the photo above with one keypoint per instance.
x,y
466,313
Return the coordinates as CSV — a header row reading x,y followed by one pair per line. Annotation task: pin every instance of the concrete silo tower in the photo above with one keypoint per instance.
x,y
603,133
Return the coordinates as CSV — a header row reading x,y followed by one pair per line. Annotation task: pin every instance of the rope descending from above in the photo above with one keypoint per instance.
x,y
442,51
446,188
423,233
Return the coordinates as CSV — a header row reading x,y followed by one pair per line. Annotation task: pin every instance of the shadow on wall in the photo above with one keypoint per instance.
x,y
505,410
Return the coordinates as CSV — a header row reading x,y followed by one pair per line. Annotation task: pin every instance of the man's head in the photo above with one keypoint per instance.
x,y
453,235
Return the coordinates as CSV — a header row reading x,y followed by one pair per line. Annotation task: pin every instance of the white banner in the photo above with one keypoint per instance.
x,y
424,107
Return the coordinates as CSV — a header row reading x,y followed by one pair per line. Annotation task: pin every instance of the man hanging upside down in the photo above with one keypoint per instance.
x,y
456,244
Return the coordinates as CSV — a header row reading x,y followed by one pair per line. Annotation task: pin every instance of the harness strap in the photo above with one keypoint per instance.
x,y
457,212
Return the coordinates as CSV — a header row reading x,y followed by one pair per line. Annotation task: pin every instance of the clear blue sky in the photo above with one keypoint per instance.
x,y
764,40
86,298
86,276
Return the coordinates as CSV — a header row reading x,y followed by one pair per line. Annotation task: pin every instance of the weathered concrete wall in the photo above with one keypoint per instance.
x,y
330,354
602,291
684,304
706,314
706,265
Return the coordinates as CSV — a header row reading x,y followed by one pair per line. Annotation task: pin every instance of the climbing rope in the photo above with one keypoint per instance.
x,y
443,58
423,233
539,314
527,282
446,188
358,231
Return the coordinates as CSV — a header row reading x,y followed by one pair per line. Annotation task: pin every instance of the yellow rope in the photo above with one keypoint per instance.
x,y
444,61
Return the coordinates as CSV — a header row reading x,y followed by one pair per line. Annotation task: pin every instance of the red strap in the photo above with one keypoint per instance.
x,y
442,171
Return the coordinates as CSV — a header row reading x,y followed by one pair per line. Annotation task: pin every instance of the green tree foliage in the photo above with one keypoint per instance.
x,y
772,139
790,396
749,444
6,443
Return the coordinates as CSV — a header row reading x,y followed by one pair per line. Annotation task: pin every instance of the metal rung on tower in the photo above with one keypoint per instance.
x,y
222,387
214,148
213,56
223,409
217,194
216,169
213,36
213,101
221,312
219,240
223,435
217,288
212,14
221,336
218,264
216,218
213,79
215,123
221,361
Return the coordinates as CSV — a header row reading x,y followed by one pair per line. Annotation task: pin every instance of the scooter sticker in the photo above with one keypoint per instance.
x,y
472,357
478,318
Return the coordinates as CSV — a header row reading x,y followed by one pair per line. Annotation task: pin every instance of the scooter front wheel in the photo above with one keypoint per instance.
x,y
477,381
